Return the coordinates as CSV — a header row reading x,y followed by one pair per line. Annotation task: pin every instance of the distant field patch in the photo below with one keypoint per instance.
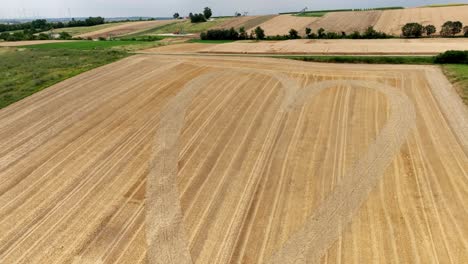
x,y
82,30
448,4
184,27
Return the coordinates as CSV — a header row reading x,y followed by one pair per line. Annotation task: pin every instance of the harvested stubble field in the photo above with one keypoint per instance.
x,y
244,21
324,47
126,28
163,159
346,21
388,21
391,21
280,25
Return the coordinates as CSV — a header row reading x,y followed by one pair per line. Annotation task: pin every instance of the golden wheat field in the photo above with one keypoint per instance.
x,y
179,159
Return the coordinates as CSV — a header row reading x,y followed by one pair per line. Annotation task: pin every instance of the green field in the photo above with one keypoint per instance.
x,y
24,72
74,31
458,75
87,44
449,4
312,14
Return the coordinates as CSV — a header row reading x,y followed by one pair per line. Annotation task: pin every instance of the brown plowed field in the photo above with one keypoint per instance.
x,y
391,21
346,21
280,25
179,159
125,29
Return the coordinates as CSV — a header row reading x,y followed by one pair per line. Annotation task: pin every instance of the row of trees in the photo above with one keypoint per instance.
x,y
232,34
29,35
448,29
198,18
259,34
40,25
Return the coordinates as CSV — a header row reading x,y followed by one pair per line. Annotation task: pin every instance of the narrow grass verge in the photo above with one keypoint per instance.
x,y
24,72
458,76
366,59
209,41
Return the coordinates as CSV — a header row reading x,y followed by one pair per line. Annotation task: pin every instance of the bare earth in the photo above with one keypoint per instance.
x,y
190,159
30,42
323,47
125,29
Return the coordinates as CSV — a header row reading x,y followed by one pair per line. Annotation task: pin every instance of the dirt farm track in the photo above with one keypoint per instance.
x,y
163,159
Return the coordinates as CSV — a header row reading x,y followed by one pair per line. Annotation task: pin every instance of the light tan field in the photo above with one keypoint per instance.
x,y
244,21
391,21
388,21
29,42
346,21
126,28
280,25
178,159
323,47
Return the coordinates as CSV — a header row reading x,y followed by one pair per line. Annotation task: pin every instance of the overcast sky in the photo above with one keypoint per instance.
x,y
165,8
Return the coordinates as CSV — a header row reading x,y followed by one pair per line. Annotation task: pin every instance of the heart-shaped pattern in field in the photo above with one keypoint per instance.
x,y
166,238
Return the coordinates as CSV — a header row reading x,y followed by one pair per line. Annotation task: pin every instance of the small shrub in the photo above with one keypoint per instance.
x,y
43,36
355,35
65,35
321,32
465,31
4,36
452,56
293,34
197,18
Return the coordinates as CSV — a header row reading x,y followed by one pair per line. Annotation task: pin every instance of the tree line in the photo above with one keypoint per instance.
x,y
40,25
259,34
448,29
29,30
197,17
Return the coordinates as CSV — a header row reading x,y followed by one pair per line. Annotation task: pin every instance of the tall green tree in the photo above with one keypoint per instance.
x,y
259,33
207,12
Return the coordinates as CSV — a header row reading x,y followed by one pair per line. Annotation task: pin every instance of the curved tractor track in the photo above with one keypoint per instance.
x,y
190,159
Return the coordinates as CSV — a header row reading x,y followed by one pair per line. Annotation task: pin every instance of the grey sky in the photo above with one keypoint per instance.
x,y
165,8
